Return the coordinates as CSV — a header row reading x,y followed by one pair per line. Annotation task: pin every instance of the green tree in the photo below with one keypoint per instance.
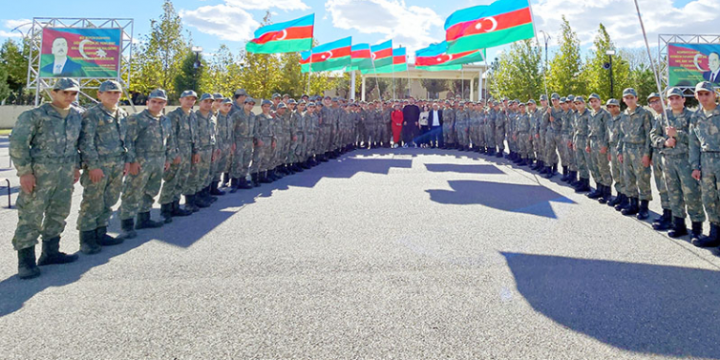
x,y
596,76
192,75
434,86
14,62
4,85
518,73
223,72
566,66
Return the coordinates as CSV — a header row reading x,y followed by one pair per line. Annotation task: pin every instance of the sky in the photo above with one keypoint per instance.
x,y
410,23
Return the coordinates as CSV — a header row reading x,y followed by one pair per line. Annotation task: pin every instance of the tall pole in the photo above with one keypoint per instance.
x,y
352,85
612,93
652,63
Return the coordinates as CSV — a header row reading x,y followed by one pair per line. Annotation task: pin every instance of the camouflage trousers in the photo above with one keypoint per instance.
x,y
99,198
300,154
683,190
200,172
446,133
566,153
277,153
43,212
582,157
292,156
524,144
552,147
538,146
489,136
463,135
500,138
637,176
616,169
221,164
176,179
242,158
139,190
309,145
384,133
659,176
262,156
600,166
363,135
710,164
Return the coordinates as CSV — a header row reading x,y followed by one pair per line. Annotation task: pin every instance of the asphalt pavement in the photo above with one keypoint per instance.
x,y
402,253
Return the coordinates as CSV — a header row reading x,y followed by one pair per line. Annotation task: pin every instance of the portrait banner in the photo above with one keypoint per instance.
x,y
689,64
80,52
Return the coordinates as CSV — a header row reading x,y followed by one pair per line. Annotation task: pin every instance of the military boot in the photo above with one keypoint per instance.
x,y
255,179
128,229
226,181
595,193
88,242
632,209
583,185
552,171
643,211
697,229
190,203
165,212
200,200
177,210
665,221
565,173
499,153
51,253
623,204
214,190
244,184
712,240
264,177
679,229
103,239
209,196
615,200
233,185
27,268
606,195
144,222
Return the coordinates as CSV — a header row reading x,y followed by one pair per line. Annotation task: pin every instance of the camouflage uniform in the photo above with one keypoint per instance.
x,y
580,142
204,142
598,136
243,133
448,123
176,177
223,141
658,170
489,128
705,156
265,134
522,127
565,136
633,144
613,128
500,122
553,136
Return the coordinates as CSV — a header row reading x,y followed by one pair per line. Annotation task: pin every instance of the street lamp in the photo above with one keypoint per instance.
x,y
197,50
608,66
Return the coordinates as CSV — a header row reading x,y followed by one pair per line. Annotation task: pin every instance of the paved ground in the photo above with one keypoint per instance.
x,y
380,254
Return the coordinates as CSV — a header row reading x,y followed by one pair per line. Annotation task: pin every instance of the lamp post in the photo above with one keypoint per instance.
x,y
610,54
197,50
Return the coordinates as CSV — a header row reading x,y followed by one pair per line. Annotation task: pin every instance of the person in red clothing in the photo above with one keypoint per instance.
x,y
397,124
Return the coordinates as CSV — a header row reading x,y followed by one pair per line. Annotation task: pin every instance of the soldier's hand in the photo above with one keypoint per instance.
x,y
603,150
671,131
126,169
27,183
609,157
587,149
696,174
620,158
670,142
134,168
76,176
260,143
273,144
570,145
233,147
96,175
177,160
646,161
537,136
196,159
294,138
167,166
552,118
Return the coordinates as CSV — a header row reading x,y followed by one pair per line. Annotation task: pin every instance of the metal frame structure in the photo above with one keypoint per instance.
x,y
34,80
665,39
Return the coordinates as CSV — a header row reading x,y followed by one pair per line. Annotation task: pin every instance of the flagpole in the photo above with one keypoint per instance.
x,y
377,83
309,69
462,81
537,40
652,63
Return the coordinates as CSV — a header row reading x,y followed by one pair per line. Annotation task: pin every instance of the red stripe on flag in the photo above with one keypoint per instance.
x,y
440,59
293,33
504,21
361,54
398,60
384,53
331,54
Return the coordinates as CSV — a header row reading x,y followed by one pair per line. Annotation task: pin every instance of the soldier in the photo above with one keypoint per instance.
x,y
634,153
448,120
276,99
297,128
481,138
613,127
663,222
598,150
239,103
523,137
705,158
224,142
150,146
535,132
312,127
243,134
264,141
489,127
500,122
553,135
102,153
670,135
203,152
44,150
281,123
183,124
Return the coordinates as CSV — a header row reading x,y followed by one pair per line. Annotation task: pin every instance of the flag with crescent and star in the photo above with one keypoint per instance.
x,y
326,57
436,58
486,26
381,54
399,63
290,36
361,57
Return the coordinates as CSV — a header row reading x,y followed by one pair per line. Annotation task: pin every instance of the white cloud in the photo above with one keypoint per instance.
x,y
8,34
10,25
224,21
267,4
620,19
407,25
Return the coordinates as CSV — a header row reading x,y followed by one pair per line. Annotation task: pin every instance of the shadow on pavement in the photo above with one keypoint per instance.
x,y
652,309
465,169
526,199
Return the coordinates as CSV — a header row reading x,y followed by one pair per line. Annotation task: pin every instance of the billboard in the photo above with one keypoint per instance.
x,y
689,64
80,52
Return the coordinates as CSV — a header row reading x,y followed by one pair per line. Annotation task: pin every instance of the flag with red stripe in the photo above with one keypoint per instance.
x,y
290,36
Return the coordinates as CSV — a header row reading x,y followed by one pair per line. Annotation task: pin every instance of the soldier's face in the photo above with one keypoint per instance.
x,y
677,102
706,98
281,111
543,103
225,108
580,106
266,108
249,106
533,107
595,103
630,101
109,98
156,106
63,99
301,107
564,106
217,104
613,109
206,105
556,102
655,104
241,99
188,102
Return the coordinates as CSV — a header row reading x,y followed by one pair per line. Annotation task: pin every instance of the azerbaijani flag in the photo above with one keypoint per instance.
x,y
361,57
290,36
327,57
486,26
382,54
399,63
436,58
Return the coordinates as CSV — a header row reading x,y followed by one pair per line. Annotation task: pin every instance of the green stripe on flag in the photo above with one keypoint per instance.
x,y
439,67
327,65
386,69
280,46
491,39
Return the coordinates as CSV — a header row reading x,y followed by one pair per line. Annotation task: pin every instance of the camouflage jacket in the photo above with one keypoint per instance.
x,y
681,123
149,135
635,129
183,129
704,137
103,135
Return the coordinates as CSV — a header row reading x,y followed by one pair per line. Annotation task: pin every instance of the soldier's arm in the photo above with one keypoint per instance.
x,y
171,150
657,136
620,135
132,136
88,152
604,137
694,144
20,139
647,125
681,135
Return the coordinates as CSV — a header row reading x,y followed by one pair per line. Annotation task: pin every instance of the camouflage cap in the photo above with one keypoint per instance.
x,y
292,101
570,97
311,104
187,93
266,102
206,96
704,86
612,102
158,94
227,101
555,96
302,102
543,97
281,106
249,100
327,97
594,96
335,99
505,98
110,85
286,95
579,99
629,92
304,96
562,100
218,96
240,92
674,92
447,102
531,101
653,95
66,84
275,95
496,103
521,104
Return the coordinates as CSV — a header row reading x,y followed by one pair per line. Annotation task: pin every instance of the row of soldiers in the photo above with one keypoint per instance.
x,y
678,147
